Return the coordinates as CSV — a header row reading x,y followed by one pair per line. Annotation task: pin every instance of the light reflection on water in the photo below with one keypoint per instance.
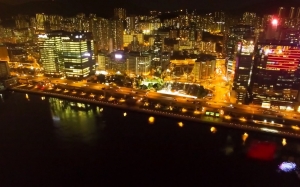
x,y
74,121
134,143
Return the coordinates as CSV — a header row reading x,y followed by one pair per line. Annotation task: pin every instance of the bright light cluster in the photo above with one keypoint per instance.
x,y
287,166
176,93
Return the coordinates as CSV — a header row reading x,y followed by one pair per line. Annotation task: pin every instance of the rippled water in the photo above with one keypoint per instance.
x,y
53,142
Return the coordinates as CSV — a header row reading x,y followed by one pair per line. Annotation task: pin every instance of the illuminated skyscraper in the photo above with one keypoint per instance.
x,y
69,54
50,47
78,55
276,80
116,32
240,46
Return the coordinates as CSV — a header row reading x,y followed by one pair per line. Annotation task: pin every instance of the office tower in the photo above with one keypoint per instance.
x,y
77,53
240,46
120,13
138,63
4,70
50,47
276,75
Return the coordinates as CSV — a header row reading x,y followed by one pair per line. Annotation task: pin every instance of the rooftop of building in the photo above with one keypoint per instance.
x,y
278,42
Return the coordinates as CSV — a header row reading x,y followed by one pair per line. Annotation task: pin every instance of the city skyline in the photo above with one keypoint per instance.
x,y
135,7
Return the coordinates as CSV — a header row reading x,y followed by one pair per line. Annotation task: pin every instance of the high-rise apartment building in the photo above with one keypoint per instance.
x,y
40,22
116,32
120,13
250,18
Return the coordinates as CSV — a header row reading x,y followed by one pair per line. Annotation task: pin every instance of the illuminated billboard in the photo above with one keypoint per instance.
x,y
281,57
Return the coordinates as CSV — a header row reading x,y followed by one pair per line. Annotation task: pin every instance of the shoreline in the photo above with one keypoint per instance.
x,y
159,113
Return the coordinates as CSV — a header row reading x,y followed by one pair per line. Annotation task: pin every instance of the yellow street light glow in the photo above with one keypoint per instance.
x,y
243,119
213,130
227,117
180,124
284,142
183,110
125,114
244,137
151,120
295,127
197,112
111,98
221,112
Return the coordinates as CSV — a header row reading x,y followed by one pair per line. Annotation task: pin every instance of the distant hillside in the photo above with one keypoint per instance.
x,y
69,8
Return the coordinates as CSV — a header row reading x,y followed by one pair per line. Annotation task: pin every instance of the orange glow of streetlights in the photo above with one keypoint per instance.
x,y
180,124
213,130
151,120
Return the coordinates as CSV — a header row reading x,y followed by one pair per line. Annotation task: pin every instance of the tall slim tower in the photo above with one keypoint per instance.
x,y
292,13
281,12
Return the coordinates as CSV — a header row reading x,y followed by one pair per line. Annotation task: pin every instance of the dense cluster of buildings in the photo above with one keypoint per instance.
x,y
261,53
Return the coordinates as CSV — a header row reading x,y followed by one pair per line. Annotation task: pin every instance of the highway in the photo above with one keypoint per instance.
x,y
243,115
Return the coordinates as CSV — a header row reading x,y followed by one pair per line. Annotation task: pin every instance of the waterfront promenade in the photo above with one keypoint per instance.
x,y
164,106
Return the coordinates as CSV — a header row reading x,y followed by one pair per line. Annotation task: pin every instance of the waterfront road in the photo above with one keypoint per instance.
x,y
239,116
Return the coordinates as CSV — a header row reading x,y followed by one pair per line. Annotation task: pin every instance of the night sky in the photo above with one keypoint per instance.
x,y
105,7
172,4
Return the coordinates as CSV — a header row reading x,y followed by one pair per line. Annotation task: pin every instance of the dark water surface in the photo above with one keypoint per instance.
x,y
53,142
